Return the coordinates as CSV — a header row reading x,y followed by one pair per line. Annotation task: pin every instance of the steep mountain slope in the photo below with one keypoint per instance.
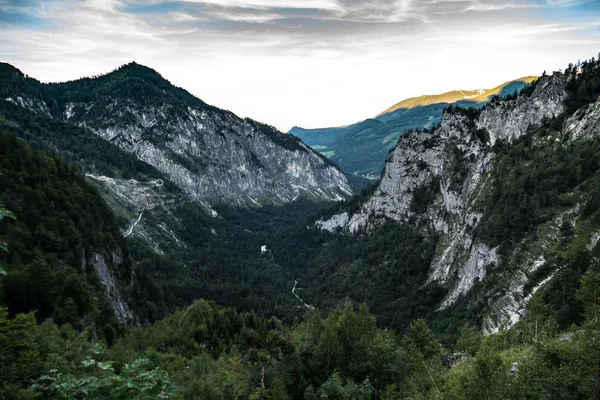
x,y
209,154
502,192
175,172
361,148
186,248
67,258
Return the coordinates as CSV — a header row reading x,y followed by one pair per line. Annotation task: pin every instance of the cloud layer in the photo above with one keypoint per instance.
x,y
302,62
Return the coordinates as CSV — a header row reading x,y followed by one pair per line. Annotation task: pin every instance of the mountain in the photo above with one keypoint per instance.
x,y
209,154
476,96
195,190
506,194
489,221
361,148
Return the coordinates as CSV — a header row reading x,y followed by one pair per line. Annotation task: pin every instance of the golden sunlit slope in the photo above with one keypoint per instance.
x,y
454,96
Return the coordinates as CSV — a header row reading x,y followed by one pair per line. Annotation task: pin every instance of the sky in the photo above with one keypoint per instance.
x,y
308,63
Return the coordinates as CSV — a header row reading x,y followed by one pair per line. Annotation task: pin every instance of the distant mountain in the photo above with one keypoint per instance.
x,y
477,96
361,148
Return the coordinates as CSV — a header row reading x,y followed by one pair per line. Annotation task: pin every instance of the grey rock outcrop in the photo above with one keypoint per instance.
x,y
509,120
585,123
453,165
451,162
120,307
215,156
208,153
32,104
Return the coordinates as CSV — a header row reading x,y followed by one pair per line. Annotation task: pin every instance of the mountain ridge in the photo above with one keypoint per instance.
x,y
175,172
361,148
453,96
142,113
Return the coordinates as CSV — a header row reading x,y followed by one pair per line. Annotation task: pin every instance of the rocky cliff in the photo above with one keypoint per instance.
x,y
361,148
437,181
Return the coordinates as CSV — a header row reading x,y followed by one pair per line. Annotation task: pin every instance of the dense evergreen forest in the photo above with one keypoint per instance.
x,y
59,336
59,223
209,352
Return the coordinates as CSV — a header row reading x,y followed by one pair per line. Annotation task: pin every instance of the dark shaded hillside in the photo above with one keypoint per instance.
x,y
131,81
80,147
61,232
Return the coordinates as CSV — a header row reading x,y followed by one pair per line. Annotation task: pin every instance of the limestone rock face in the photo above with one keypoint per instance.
x,y
510,120
32,104
585,123
213,155
451,168
450,162
120,307
209,154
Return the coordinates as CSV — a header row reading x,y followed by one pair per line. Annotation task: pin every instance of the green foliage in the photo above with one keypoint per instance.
x,y
421,341
336,389
19,355
589,293
583,87
469,340
528,180
4,213
97,380
423,196
470,112
386,268
210,352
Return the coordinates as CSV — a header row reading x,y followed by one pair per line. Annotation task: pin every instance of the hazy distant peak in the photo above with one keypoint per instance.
x,y
478,95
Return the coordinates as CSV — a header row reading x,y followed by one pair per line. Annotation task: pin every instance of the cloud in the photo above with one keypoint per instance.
x,y
484,6
302,62
569,3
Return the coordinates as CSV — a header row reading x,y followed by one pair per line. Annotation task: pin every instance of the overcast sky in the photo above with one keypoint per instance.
x,y
311,63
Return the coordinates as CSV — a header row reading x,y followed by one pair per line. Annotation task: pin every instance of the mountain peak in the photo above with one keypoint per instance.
x,y
139,70
9,68
133,70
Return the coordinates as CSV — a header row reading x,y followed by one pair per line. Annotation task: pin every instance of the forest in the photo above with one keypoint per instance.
x,y
209,352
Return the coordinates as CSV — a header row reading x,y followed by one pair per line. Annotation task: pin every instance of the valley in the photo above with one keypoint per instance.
x,y
141,213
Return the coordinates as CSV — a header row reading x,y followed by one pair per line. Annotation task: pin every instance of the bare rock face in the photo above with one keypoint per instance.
x,y
213,155
209,154
31,104
510,120
450,162
119,305
451,168
585,123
